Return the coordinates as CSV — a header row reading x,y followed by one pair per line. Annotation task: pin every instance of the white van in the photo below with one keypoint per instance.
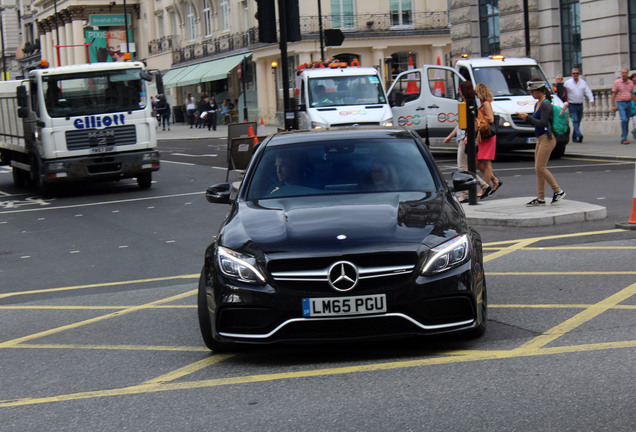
x,y
341,96
425,99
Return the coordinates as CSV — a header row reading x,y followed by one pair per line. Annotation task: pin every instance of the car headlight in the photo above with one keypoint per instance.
x,y
446,256
238,266
388,122
318,125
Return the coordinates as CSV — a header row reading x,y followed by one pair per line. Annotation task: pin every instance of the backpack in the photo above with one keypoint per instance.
x,y
559,121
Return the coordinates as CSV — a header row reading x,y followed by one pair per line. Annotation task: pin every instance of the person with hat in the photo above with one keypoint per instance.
x,y
541,119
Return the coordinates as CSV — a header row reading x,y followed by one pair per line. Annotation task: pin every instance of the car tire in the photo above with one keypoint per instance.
x,y
482,316
204,320
144,180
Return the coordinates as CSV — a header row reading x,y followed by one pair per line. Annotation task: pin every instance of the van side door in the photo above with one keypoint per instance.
x,y
435,106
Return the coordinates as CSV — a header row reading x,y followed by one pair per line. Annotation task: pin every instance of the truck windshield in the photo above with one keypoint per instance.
x,y
346,90
90,93
507,80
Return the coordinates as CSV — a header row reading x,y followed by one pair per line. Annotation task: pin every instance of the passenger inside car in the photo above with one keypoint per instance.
x,y
382,176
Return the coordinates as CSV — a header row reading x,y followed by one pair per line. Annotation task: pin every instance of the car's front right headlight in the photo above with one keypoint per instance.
x,y
238,266
319,125
448,255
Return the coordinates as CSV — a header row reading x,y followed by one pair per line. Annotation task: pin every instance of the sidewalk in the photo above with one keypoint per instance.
x,y
499,212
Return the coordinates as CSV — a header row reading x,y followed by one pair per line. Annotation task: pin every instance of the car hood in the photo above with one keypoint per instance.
x,y
348,220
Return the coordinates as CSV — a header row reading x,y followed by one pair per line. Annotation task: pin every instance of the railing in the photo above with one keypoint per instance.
x,y
601,118
162,45
368,25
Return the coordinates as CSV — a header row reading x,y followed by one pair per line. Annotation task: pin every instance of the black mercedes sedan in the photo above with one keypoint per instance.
x,y
341,235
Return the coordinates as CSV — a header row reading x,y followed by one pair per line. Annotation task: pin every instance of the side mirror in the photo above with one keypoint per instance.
x,y
219,193
396,99
21,95
462,180
145,75
159,82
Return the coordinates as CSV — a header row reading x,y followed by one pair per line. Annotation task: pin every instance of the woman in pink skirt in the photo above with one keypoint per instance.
x,y
487,146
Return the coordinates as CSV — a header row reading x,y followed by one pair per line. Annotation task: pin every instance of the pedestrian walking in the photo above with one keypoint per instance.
x,y
633,78
212,109
487,147
163,109
560,90
191,108
541,119
578,91
622,98
466,91
202,108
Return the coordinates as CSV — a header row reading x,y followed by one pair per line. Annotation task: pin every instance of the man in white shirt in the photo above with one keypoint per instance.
x,y
577,90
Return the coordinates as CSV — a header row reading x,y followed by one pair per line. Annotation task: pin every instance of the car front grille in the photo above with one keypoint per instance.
x,y
94,138
379,271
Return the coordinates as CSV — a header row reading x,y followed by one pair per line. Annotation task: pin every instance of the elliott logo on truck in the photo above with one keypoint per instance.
x,y
58,124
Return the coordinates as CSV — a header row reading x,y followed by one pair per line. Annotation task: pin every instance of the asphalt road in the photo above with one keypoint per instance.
x,y
99,328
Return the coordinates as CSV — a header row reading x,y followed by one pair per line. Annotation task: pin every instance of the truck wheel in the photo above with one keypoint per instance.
x,y
144,180
43,188
20,177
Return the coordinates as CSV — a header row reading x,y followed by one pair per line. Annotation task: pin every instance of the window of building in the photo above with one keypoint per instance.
x,y
401,12
160,32
348,58
225,15
207,17
571,35
192,31
400,62
342,15
632,33
489,26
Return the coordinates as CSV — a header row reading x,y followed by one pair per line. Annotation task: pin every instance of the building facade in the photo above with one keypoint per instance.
x,y
596,36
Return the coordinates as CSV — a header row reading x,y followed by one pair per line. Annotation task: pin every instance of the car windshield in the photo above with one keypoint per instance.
x,y
507,80
93,92
346,167
346,90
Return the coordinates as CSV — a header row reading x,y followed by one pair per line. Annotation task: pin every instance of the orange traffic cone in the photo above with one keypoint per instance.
x,y
439,89
260,131
250,131
631,223
255,140
411,87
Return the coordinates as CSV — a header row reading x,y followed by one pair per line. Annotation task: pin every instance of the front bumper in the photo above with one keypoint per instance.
x,y
111,166
419,306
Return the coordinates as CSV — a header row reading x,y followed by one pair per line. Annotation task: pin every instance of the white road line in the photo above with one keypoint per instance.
x,y
102,203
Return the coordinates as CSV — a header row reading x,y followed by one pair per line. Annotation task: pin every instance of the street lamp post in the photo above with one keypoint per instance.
x,y
4,64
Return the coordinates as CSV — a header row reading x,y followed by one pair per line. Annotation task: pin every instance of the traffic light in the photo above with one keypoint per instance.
x,y
292,18
266,16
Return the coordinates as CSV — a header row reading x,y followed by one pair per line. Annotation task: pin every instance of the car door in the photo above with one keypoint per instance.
x,y
425,100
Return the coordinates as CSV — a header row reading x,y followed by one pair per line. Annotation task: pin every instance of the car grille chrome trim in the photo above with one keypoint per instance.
x,y
399,315
323,274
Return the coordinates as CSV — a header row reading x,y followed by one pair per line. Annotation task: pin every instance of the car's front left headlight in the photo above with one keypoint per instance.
x,y
238,266
448,255
388,122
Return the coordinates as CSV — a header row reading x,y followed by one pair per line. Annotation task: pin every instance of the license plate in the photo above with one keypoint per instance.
x,y
102,149
343,306
531,140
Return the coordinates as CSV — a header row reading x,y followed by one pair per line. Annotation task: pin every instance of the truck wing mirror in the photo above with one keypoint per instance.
x,y
159,82
145,75
23,112
21,94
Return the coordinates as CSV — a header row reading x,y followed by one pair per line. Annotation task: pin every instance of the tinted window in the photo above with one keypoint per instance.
x,y
332,167
507,80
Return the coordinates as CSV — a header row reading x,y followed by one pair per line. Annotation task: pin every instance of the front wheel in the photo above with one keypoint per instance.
x,y
204,319
144,180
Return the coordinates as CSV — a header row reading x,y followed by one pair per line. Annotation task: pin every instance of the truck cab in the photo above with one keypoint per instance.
x,y
340,96
421,99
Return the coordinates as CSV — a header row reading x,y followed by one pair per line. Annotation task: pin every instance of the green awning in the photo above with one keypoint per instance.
x,y
202,72
218,69
170,79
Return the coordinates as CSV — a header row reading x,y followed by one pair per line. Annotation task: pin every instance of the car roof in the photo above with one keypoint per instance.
x,y
352,133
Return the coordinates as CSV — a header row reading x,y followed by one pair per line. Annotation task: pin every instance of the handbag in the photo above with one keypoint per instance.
x,y
482,126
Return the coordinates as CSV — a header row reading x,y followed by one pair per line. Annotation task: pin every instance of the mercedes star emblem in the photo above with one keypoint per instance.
x,y
343,276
